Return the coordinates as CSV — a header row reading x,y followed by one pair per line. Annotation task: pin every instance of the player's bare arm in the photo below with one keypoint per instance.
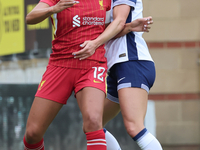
x,y
42,10
138,25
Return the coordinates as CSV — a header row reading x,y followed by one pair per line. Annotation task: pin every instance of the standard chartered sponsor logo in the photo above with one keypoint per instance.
x,y
88,21
76,21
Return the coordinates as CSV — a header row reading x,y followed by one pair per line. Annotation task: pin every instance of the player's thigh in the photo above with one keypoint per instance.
x,y
133,104
111,109
91,102
41,115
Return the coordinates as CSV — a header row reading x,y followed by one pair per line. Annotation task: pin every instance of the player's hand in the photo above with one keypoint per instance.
x,y
141,24
88,50
63,4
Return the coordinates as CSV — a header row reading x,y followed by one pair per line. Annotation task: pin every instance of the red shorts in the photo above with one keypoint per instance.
x,y
58,83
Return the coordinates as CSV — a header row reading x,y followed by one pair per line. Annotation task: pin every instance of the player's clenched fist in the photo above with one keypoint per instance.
x,y
63,4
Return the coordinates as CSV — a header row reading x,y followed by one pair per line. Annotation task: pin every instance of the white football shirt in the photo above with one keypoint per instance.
x,y
131,46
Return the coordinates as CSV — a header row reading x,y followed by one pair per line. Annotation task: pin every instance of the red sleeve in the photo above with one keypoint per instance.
x,y
49,2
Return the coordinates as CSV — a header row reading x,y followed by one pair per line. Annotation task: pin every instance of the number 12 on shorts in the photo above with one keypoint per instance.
x,y
98,72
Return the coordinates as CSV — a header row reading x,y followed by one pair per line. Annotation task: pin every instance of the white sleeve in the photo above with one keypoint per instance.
x,y
107,17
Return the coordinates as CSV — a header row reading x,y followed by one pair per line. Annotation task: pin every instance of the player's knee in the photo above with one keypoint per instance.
x,y
131,131
92,123
33,135
133,128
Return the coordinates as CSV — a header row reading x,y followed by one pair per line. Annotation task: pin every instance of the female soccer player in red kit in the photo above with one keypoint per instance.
x,y
74,23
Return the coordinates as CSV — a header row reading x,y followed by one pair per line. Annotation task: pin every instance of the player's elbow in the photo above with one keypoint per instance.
x,y
121,23
28,20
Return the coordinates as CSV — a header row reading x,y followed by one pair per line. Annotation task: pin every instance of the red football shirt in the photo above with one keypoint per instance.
x,y
74,25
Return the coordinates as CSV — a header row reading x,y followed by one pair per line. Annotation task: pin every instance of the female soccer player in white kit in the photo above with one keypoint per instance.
x,y
131,72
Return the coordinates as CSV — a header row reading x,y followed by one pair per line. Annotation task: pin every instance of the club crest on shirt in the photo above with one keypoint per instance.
x,y
101,4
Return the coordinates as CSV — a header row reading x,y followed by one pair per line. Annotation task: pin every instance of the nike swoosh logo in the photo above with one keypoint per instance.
x,y
96,81
120,79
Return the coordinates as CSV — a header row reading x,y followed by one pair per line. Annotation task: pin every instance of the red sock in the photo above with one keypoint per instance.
x,y
37,146
96,140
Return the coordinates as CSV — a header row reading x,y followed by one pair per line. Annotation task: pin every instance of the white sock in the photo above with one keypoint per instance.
x,y
112,143
146,141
